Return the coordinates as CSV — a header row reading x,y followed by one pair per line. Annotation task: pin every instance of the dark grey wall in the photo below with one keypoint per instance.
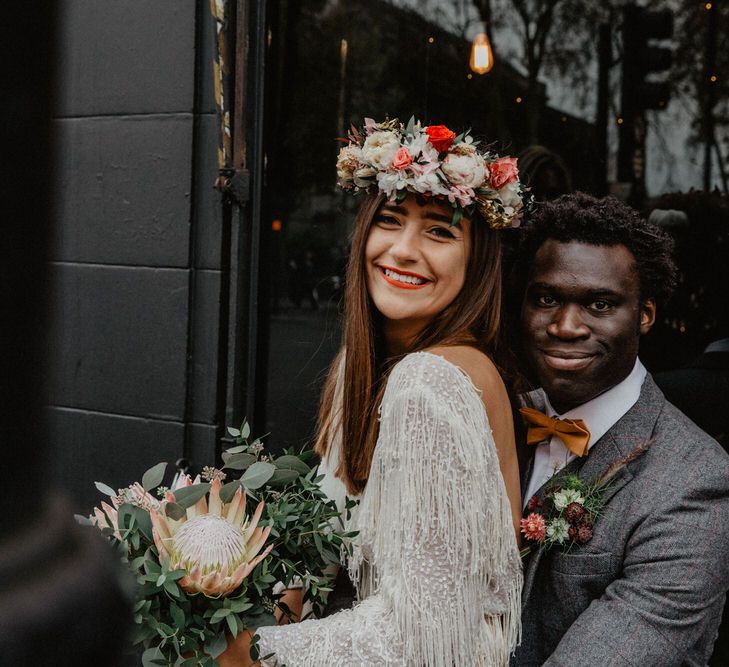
x,y
135,269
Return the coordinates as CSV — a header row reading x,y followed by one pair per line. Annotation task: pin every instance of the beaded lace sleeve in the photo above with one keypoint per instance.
x,y
436,563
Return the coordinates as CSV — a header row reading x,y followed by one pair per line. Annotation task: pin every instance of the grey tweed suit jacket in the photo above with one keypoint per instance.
x,y
648,589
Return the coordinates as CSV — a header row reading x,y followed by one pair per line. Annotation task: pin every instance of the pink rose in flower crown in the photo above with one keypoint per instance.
x,y
503,171
533,527
440,137
402,159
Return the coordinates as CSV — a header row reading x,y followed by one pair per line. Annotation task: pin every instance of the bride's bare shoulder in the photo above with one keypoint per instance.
x,y
478,366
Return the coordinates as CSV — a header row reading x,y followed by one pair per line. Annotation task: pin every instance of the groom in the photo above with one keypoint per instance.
x,y
648,586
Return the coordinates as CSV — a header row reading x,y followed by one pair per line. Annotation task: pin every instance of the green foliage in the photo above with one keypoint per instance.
x,y
179,629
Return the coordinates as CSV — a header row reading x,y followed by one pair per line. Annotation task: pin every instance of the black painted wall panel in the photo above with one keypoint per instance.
x,y
120,339
114,449
126,56
123,190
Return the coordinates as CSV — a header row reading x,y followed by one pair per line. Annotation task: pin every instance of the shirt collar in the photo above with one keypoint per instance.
x,y
606,409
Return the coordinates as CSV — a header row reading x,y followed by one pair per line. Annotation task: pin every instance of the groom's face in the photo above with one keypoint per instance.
x,y
582,318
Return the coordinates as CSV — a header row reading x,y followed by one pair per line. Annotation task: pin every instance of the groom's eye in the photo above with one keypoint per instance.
x,y
546,300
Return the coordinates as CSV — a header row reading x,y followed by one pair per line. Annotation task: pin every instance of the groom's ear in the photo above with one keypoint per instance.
x,y
647,315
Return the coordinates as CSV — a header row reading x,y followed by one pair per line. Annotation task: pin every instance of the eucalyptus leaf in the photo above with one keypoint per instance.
x,y
83,520
233,431
281,478
220,614
153,477
216,645
174,511
187,496
235,450
410,128
245,430
290,462
257,475
259,620
125,516
144,521
153,656
228,490
238,461
232,622
105,489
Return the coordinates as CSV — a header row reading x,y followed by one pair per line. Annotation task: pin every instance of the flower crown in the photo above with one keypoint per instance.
x,y
433,161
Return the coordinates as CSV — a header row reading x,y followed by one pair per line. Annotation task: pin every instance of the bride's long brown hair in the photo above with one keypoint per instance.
x,y
472,318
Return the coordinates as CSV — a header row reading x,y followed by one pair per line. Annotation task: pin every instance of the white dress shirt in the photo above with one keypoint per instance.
x,y
599,415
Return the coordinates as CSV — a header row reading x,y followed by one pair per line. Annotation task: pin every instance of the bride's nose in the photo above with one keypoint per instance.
x,y
406,245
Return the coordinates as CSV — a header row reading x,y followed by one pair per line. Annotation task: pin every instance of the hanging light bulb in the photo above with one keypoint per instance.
x,y
482,57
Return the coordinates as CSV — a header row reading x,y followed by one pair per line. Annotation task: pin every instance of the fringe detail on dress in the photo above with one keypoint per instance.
x,y
435,494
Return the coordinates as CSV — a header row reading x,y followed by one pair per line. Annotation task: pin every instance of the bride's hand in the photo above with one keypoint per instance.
x,y
293,598
238,653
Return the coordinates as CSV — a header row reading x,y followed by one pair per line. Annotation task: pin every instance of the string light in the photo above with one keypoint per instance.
x,y
482,57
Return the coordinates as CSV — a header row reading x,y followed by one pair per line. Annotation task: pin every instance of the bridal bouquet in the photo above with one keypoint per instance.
x,y
211,554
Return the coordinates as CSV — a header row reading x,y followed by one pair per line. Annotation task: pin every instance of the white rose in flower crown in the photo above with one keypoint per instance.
x,y
348,160
510,198
421,148
363,176
379,148
390,183
429,182
465,169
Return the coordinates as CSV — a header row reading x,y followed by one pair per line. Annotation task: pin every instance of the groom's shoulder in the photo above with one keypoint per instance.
x,y
679,447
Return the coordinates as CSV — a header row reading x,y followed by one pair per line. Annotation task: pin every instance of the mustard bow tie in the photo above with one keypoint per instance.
x,y
572,432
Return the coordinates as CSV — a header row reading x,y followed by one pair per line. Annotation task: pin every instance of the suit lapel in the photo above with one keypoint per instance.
x,y
633,429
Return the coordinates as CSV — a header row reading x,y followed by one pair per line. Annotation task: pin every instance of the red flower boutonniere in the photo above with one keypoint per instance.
x,y
566,514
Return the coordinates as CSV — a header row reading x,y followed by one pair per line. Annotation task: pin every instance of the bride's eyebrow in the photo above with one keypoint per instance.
x,y
439,217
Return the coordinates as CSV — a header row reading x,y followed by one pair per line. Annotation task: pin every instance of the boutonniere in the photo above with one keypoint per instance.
x,y
566,514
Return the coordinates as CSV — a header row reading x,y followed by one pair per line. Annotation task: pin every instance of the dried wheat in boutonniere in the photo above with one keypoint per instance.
x,y
567,512
207,553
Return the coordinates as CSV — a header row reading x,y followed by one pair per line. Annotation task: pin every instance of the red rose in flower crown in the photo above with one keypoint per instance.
x,y
440,137
503,171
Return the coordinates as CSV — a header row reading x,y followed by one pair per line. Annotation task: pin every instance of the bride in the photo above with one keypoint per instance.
x,y
415,421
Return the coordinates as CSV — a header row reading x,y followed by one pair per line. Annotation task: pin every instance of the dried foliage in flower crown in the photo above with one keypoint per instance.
x,y
432,161
208,552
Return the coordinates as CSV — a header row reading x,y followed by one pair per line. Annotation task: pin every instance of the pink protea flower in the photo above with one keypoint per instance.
x,y
533,527
215,542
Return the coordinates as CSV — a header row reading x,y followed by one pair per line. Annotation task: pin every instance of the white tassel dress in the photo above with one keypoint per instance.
x,y
435,564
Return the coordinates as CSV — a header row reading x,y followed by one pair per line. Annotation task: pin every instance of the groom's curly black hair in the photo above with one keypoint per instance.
x,y
604,222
